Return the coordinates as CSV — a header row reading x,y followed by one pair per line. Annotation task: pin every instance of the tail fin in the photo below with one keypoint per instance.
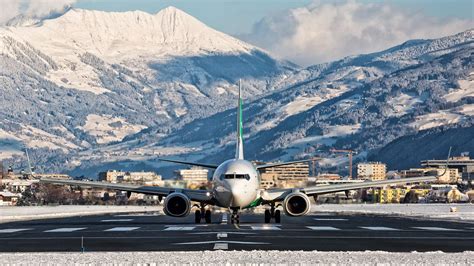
x,y
239,151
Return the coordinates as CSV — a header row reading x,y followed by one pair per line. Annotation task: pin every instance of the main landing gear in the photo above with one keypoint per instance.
x,y
202,213
272,213
234,217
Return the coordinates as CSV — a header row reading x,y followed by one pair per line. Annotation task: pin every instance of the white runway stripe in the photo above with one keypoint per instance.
x,y
330,219
323,228
265,227
221,246
435,228
13,230
116,220
180,228
379,228
121,229
65,230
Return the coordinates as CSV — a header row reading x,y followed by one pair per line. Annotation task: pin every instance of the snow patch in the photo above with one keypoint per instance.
x,y
437,119
402,104
108,129
466,89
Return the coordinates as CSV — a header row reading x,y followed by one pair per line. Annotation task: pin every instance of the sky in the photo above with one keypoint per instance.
x,y
237,17
303,31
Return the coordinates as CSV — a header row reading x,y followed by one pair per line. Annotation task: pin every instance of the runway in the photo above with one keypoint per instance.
x,y
157,232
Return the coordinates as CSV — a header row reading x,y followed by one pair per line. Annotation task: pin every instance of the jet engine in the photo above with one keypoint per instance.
x,y
177,205
296,204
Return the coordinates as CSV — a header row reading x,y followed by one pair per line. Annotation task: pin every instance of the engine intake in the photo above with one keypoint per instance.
x,y
177,205
296,204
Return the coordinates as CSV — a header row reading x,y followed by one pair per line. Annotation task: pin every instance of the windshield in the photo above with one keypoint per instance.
x,y
236,176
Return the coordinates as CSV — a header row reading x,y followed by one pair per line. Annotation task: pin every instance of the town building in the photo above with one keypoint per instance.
x,y
464,164
395,195
285,176
194,174
371,171
8,198
139,178
328,176
445,177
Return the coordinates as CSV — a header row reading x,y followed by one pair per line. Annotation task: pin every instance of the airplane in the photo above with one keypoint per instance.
x,y
236,186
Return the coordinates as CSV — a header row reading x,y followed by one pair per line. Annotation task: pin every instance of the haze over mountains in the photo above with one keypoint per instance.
x,y
92,90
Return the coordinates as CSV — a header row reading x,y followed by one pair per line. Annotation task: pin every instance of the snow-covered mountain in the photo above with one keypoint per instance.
x,y
362,103
90,90
88,78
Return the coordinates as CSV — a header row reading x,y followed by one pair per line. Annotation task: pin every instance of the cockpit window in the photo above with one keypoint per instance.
x,y
237,176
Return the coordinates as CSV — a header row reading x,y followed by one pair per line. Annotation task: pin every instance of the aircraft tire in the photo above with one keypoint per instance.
x,y
277,216
207,216
197,216
268,217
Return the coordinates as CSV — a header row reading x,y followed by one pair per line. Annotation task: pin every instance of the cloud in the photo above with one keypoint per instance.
x,y
31,8
322,32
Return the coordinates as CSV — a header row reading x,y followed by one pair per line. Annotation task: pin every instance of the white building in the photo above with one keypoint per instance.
x,y
371,171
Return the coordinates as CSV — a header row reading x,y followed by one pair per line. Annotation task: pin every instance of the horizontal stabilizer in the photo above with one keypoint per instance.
x,y
263,166
212,166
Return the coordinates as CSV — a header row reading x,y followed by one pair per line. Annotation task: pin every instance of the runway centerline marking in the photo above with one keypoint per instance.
x,y
221,246
121,229
265,227
13,230
228,232
116,220
65,230
330,219
379,228
221,235
220,241
180,228
323,228
435,228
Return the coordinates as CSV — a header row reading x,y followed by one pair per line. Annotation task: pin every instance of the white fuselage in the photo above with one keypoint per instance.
x,y
235,183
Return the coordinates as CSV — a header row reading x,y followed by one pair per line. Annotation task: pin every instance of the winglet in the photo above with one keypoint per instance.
x,y
447,162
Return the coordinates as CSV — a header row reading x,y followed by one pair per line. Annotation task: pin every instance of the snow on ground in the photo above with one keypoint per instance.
x,y
466,88
437,119
107,129
240,258
467,109
464,212
32,137
403,103
16,213
9,145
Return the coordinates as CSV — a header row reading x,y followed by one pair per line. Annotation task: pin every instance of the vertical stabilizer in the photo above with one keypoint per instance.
x,y
239,151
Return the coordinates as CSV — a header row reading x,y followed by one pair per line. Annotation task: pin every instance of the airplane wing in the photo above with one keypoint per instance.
x,y
280,194
194,195
212,166
263,166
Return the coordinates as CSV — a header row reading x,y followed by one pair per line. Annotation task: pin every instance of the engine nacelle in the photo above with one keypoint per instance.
x,y
177,205
296,204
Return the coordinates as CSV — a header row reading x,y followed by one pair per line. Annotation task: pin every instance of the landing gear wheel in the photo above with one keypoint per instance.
x,y
277,216
207,216
268,216
234,217
197,216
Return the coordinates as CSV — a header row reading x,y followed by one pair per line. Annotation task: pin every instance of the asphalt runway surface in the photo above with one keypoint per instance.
x,y
157,232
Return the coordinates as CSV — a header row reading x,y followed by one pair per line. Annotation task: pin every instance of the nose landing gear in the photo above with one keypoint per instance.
x,y
234,217
272,213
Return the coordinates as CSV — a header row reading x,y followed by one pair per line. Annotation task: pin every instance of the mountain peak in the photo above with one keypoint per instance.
x,y
171,32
